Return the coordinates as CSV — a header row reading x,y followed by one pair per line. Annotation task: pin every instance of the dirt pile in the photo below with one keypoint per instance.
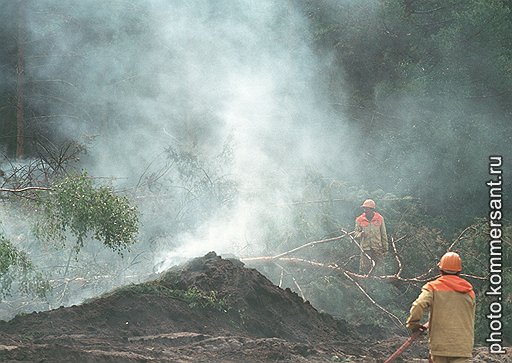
x,y
253,304
208,310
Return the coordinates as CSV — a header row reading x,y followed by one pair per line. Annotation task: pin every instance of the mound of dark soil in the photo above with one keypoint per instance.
x,y
256,305
208,310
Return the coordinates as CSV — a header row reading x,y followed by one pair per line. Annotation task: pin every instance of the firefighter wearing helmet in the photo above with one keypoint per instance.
x,y
451,303
370,231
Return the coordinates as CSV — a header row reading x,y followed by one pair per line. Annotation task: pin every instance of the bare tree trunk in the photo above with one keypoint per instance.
x,y
20,70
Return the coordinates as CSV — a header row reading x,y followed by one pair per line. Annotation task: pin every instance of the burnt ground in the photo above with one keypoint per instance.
x,y
208,310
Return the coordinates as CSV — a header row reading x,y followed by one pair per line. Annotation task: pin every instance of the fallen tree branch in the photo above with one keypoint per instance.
x,y
342,200
475,277
348,274
362,251
21,190
394,277
397,257
352,276
293,278
311,244
394,317
460,237
422,276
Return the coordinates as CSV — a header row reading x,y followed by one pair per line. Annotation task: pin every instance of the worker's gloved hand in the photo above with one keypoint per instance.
x,y
417,327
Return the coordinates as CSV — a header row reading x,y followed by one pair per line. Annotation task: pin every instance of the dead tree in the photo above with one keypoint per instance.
x,y
354,277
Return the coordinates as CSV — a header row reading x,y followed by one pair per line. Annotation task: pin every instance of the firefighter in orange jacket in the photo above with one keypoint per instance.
x,y
451,303
371,232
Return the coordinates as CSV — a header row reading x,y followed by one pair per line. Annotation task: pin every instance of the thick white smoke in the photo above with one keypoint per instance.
x,y
138,82
212,71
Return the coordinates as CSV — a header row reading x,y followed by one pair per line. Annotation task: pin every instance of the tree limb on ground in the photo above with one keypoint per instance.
x,y
22,190
352,276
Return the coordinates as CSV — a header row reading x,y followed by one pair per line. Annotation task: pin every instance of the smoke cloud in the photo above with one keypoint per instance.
x,y
217,116
233,87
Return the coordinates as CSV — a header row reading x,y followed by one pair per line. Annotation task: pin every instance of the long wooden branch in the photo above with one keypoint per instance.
x,y
397,321
293,278
311,244
22,190
460,237
362,251
343,200
349,275
394,277
397,257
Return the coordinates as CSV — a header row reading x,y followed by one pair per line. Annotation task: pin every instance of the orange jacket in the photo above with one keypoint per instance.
x,y
375,236
451,303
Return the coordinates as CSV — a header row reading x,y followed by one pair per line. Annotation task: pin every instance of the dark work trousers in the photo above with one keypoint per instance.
x,y
365,264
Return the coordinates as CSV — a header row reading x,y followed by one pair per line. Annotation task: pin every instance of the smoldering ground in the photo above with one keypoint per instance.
x,y
214,116
208,113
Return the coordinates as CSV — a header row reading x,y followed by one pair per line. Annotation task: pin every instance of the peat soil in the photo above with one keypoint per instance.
x,y
208,310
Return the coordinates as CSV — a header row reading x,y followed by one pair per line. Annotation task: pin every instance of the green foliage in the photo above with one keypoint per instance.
x,y
194,297
76,206
204,300
16,266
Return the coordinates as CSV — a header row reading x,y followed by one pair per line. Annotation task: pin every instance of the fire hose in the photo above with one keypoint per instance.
x,y
408,342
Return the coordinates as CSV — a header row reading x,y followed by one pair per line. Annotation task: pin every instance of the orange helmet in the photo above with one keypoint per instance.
x,y
369,203
450,262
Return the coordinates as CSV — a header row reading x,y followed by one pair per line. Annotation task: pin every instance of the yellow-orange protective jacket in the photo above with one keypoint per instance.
x,y
374,236
451,302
